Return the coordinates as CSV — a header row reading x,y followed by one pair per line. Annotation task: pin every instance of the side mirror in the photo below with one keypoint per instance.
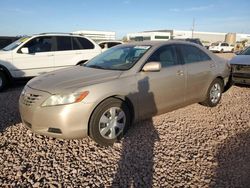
x,y
25,50
152,67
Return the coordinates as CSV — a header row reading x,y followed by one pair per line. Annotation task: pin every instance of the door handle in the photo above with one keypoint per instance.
x,y
180,73
78,53
50,55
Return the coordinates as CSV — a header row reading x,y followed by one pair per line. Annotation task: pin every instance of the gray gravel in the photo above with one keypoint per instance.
x,y
191,147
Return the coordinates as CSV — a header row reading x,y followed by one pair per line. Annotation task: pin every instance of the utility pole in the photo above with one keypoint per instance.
x,y
193,28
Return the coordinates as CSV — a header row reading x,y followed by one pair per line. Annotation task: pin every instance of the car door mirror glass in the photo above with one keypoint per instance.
x,y
152,67
25,50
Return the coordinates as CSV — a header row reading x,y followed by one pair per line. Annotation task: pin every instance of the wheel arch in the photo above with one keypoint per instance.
x,y
6,72
127,101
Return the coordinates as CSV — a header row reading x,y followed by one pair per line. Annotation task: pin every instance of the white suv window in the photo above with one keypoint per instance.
x,y
40,44
80,43
64,43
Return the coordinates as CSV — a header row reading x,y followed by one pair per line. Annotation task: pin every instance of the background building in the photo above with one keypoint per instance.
x,y
98,35
206,37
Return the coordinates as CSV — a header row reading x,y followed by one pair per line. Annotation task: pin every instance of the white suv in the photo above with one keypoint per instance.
x,y
221,47
32,56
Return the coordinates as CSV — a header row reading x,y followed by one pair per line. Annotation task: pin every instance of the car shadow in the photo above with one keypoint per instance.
x,y
9,113
135,167
233,158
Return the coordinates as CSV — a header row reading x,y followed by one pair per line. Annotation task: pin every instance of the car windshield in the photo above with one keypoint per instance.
x,y
118,58
246,51
215,44
15,44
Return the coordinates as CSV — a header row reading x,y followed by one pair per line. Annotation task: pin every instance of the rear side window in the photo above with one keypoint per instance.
x,y
40,44
165,55
192,54
64,43
80,43
224,44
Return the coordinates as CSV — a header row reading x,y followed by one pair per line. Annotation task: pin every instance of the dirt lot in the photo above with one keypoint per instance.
x,y
191,147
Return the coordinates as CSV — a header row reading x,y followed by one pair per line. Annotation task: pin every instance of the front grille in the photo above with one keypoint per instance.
x,y
29,99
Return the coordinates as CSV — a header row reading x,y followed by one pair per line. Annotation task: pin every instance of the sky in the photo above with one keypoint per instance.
x,y
26,17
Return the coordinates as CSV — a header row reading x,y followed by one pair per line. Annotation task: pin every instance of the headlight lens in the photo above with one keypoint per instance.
x,y
65,99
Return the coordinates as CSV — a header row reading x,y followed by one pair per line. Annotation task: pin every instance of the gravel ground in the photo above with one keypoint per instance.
x,y
190,147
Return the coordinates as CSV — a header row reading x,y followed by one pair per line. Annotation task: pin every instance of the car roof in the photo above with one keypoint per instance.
x,y
160,43
59,34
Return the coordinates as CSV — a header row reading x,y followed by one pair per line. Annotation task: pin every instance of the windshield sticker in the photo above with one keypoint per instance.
x,y
23,39
142,47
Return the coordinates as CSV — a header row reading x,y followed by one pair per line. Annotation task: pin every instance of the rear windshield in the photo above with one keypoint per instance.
x,y
246,51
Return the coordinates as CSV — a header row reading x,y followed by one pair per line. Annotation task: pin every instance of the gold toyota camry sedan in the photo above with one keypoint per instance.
x,y
126,83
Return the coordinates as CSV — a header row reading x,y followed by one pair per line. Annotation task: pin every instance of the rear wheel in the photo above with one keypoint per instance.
x,y
109,121
214,93
3,81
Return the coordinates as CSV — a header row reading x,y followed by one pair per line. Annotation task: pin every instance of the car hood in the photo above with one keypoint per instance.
x,y
70,79
5,54
240,60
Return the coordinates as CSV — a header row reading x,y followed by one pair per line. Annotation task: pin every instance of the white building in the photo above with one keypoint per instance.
x,y
97,35
148,36
182,34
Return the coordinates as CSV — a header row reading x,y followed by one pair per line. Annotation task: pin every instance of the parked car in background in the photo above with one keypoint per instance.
x,y
5,41
221,47
39,54
122,85
108,44
241,67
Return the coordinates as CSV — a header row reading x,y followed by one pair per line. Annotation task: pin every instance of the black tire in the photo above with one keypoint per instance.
x,y
221,51
209,102
3,81
95,121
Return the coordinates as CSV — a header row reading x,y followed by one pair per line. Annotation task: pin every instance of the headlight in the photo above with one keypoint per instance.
x,y
65,99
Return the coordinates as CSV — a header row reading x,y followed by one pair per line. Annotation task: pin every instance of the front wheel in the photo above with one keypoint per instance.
x,y
109,121
214,93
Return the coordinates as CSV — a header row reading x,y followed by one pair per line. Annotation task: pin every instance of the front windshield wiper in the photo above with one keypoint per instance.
x,y
95,66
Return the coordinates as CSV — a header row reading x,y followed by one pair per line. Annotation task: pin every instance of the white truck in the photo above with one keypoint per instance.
x,y
221,47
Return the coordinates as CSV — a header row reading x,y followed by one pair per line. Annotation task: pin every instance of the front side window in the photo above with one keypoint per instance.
x,y
192,54
165,55
64,43
118,58
40,44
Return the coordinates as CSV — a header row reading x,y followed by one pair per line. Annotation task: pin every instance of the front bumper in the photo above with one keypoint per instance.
x,y
241,74
65,121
